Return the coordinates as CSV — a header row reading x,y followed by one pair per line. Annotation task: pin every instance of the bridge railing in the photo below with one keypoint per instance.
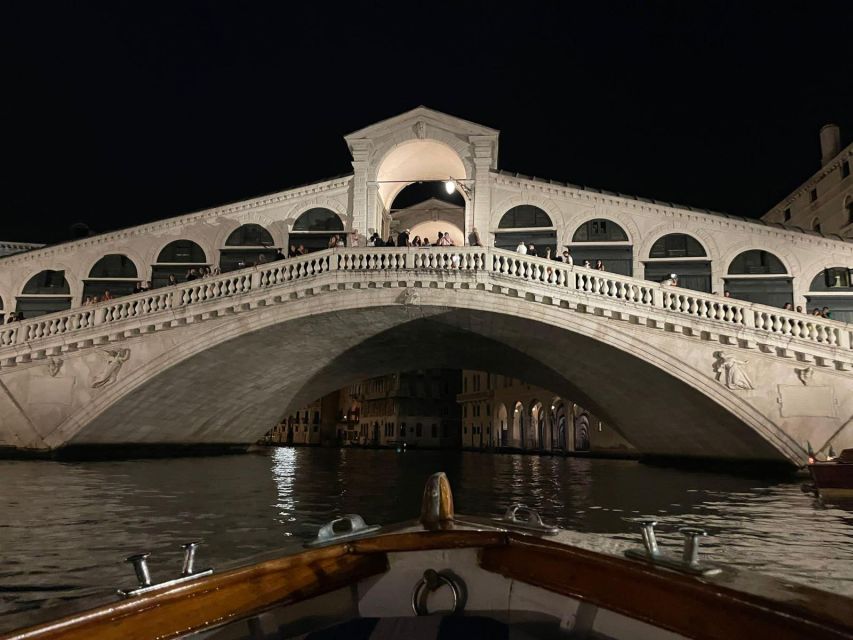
x,y
501,263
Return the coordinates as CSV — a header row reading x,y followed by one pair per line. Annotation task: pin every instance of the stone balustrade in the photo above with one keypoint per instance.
x,y
501,264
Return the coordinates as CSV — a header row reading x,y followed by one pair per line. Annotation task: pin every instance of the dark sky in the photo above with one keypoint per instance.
x,y
119,113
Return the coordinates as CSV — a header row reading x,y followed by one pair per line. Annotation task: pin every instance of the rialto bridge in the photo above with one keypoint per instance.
x,y
680,371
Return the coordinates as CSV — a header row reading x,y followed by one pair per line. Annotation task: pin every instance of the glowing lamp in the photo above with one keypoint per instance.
x,y
449,186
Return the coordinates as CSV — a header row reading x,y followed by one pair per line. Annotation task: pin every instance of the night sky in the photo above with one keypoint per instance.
x,y
120,113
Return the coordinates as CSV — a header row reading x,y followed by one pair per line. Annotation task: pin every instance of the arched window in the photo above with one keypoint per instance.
x,y
759,276
318,219
45,292
539,230
313,230
833,288
249,235
848,210
182,252
600,230
677,245
756,262
603,240
525,216
816,225
114,274
248,245
682,255
47,283
178,259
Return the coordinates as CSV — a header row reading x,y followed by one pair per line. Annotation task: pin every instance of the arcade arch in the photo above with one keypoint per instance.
x,y
115,272
759,276
518,436
502,425
247,245
45,292
605,240
426,161
833,288
427,209
683,255
529,224
176,259
314,229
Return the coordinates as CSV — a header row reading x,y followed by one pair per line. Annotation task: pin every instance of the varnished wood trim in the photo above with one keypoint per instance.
x,y
426,540
733,605
215,600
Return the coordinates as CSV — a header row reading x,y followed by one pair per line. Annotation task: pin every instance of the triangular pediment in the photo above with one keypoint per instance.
x,y
423,114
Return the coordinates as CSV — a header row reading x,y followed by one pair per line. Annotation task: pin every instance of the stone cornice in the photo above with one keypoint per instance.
x,y
642,204
260,202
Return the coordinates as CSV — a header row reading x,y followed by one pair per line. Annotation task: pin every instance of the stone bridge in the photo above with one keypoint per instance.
x,y
219,360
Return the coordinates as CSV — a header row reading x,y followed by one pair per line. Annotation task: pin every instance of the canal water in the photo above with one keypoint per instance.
x,y
66,528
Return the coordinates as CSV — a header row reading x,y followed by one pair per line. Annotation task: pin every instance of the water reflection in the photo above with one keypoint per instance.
x,y
67,527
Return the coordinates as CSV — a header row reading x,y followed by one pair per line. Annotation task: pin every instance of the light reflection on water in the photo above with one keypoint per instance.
x,y
67,527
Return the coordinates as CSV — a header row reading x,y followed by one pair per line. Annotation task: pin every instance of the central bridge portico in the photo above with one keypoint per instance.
x,y
219,360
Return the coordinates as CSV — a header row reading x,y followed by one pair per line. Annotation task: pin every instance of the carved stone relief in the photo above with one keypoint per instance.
x,y
732,372
114,360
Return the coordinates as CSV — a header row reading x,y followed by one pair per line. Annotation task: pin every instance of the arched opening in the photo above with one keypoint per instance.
x,y
248,245
558,409
761,277
112,276
518,436
682,255
2,315
427,213
426,162
848,211
537,423
582,431
314,230
833,288
816,225
530,225
179,259
604,240
502,425
45,292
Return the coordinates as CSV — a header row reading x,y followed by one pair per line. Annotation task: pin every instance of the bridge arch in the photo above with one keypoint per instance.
x,y
358,333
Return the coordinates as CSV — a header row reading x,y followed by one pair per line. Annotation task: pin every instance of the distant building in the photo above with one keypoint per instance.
x,y
415,407
499,411
824,204
11,248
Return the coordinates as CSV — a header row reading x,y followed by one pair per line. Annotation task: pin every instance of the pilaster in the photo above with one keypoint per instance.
x,y
483,152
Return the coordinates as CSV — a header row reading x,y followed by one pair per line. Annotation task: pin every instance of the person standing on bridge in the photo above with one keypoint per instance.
x,y
403,238
521,248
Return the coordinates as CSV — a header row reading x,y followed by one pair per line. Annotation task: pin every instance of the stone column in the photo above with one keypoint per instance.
x,y
483,152
361,169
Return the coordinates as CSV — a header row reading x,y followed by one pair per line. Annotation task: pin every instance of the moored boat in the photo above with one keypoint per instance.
x,y
833,478
448,575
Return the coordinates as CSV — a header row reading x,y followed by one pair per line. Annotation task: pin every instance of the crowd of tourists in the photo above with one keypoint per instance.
x,y
404,239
